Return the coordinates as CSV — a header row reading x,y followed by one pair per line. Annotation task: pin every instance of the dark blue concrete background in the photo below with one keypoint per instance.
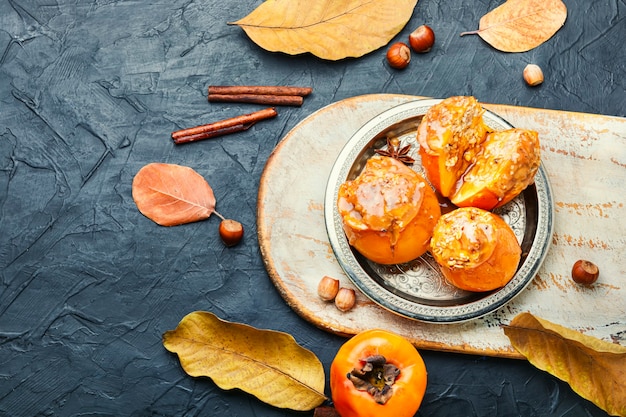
x,y
89,93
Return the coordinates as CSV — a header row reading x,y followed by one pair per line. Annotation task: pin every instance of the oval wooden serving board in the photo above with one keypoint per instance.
x,y
585,158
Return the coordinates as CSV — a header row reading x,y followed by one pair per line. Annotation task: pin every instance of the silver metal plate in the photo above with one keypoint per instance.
x,y
417,289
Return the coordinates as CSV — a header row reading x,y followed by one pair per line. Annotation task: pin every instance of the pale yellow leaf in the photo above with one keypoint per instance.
x,y
328,29
521,25
267,364
594,368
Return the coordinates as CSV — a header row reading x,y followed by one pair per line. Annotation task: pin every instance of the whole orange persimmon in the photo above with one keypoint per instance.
x,y
388,211
377,373
476,250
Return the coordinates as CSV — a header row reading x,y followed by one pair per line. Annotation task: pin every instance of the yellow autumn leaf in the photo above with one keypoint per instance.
x,y
329,29
521,25
595,369
267,364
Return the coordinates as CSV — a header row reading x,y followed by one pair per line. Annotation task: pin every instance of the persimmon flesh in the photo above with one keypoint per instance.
x,y
476,250
388,211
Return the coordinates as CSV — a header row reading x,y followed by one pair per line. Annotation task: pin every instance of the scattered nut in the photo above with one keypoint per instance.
x,y
231,232
399,55
345,299
585,272
533,75
327,288
422,39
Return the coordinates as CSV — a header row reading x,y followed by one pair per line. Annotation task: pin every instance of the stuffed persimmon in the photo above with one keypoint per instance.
x,y
505,166
388,211
476,250
450,135
471,164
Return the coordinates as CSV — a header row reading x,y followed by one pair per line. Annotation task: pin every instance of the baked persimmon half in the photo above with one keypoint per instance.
x,y
450,135
388,211
470,163
476,250
504,167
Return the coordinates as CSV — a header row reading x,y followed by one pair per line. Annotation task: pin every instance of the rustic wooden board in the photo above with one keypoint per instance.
x,y
585,158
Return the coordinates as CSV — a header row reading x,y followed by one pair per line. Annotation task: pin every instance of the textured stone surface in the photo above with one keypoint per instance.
x,y
90,92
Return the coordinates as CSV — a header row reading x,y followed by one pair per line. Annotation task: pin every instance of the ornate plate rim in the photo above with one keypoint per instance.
x,y
393,302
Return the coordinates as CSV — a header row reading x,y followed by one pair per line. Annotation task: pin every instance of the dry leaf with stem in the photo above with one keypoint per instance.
x,y
595,369
171,195
521,25
328,29
267,364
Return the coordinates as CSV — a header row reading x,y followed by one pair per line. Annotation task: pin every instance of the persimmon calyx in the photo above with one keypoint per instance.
x,y
376,377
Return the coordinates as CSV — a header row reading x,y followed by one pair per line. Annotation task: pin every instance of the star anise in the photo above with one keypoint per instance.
x,y
394,151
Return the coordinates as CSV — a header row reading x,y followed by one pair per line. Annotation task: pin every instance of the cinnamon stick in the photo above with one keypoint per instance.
x,y
266,99
222,127
325,411
260,90
259,94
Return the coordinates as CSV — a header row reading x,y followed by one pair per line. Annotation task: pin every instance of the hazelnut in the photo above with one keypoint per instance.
x,y
327,288
533,75
422,39
345,299
231,232
585,272
399,55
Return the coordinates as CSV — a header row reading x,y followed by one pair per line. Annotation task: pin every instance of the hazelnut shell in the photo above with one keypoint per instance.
x,y
422,39
399,55
231,232
345,299
533,75
585,272
327,288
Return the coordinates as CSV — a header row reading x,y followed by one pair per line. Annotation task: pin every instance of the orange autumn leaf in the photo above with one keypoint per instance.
x,y
595,369
521,25
171,194
268,364
328,29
